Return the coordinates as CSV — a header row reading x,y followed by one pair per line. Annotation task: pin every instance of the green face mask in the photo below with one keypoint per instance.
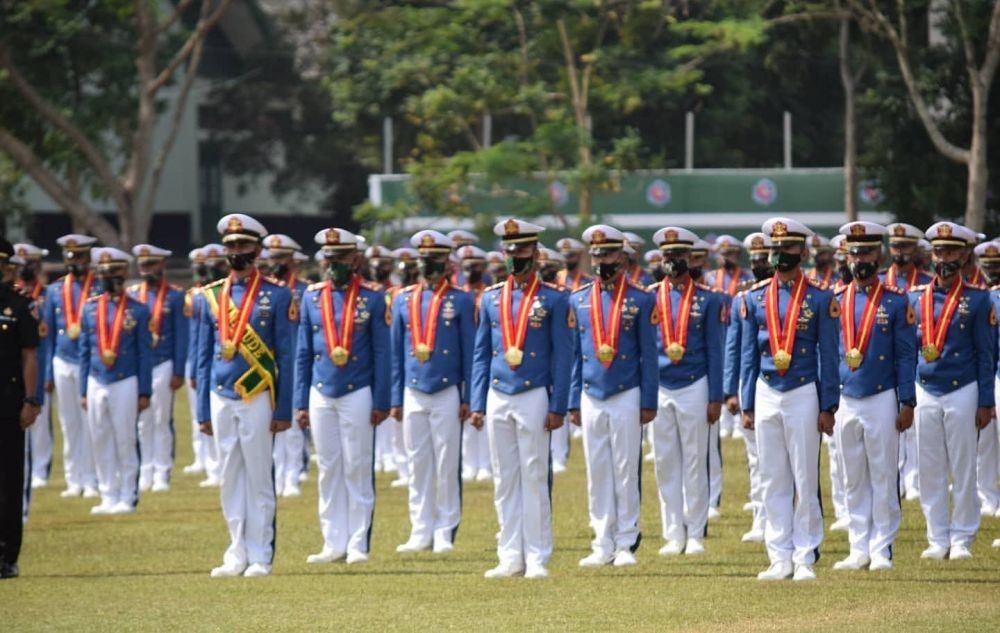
x,y
518,265
430,268
339,272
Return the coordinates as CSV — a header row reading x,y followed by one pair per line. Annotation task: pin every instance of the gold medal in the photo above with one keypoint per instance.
x,y
73,332
156,339
605,353
108,357
675,352
339,356
930,352
514,356
782,360
422,352
853,358
228,349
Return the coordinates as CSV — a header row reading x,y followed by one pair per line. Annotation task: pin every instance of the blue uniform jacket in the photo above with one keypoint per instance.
x,y
636,362
272,318
890,362
192,308
58,343
134,352
903,280
712,276
548,351
968,353
706,337
731,367
815,358
369,358
450,363
173,341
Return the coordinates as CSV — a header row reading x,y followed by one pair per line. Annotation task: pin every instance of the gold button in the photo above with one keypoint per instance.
x,y
496,381
445,352
527,383
349,387
444,380
319,385
881,357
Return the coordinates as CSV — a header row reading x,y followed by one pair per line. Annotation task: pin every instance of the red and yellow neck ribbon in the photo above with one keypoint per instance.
x,y
932,336
892,275
229,338
339,341
734,280
422,337
674,337
108,343
75,313
856,339
514,333
606,341
826,276
782,338
156,314
570,283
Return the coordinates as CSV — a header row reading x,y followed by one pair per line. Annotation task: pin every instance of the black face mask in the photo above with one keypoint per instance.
x,y
431,269
695,273
992,276
113,285
902,259
728,265
240,261
760,273
27,274
280,271
548,274
150,278
675,267
499,273
572,266
785,262
408,274
339,272
217,272
844,270
606,271
473,275
863,270
77,270
946,269
380,274
658,273
200,272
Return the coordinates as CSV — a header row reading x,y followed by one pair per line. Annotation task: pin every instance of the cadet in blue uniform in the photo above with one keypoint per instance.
x,y
634,272
343,336
789,396
520,383
988,255
613,394
878,362
823,269
115,371
433,334
957,330
169,331
691,337
64,300
245,377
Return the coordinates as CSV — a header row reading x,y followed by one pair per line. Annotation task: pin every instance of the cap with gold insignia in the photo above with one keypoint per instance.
x,y
429,241
513,232
782,230
148,252
378,252
726,244
861,235
17,260
29,251
318,256
603,239
757,244
362,244
461,237
334,240
196,255
570,245
653,256
470,253
635,240
280,243
700,247
924,245
109,258
980,238
819,244
213,251
548,255
404,254
950,234
265,255
903,233
837,241
239,226
671,238
299,256
495,257
75,245
988,252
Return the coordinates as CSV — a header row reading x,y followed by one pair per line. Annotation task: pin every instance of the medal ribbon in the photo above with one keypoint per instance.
x,y
346,335
826,276
104,345
425,335
783,339
680,333
935,334
37,290
734,280
73,315
243,315
853,339
893,272
514,334
155,318
609,337
976,278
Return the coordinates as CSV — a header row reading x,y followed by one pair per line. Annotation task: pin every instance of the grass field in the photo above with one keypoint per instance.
x,y
149,571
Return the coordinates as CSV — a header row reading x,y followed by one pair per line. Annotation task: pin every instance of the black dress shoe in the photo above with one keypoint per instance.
x,y
9,570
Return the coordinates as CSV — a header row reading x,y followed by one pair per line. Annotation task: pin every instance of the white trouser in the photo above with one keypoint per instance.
x,y
946,444
112,414
753,474
384,454
714,452
869,445
244,439
398,447
288,446
344,437
680,443
475,451
788,443
519,449
908,474
156,427
559,440
987,462
40,442
78,454
612,448
728,421
433,435
837,484
206,453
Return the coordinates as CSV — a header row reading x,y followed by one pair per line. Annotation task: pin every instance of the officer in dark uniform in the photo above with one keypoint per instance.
x,y
18,377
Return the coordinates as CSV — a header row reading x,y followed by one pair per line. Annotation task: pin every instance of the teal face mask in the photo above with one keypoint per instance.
x,y
339,272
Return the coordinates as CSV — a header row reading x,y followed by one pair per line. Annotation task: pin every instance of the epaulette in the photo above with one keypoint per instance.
x,y
95,298
760,284
493,287
919,288
190,291
316,286
217,282
271,279
409,288
995,287
549,284
654,287
133,287
839,290
175,287
703,286
818,283
979,286
371,285
637,286
896,290
585,286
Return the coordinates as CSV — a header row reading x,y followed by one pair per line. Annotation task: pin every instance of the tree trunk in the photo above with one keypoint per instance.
x,y
975,202
850,124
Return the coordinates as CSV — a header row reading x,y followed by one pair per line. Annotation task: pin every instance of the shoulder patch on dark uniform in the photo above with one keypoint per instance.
x,y
993,316
818,283
911,315
896,290
834,308
571,319
293,311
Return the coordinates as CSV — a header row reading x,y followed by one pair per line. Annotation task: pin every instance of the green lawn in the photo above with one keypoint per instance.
x,y
150,571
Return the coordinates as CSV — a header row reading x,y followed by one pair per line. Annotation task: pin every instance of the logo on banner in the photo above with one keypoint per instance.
x,y
869,192
558,194
765,192
658,193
